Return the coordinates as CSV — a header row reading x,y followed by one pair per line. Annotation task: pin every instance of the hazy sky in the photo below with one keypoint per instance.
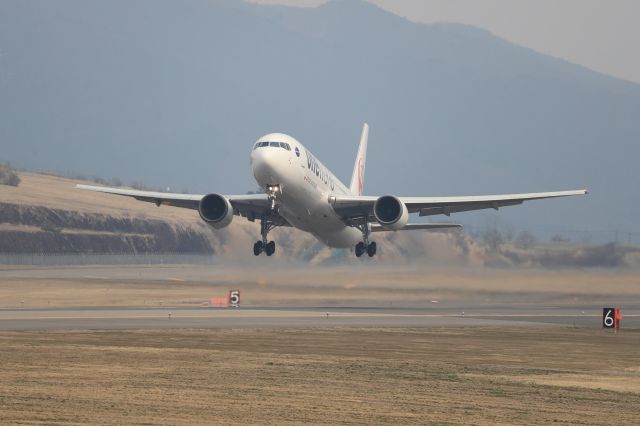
x,y
603,35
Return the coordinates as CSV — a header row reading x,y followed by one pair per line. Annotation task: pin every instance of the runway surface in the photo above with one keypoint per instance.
x,y
169,296
143,318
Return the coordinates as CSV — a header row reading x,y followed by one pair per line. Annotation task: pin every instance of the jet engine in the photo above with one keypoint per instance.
x,y
390,212
216,210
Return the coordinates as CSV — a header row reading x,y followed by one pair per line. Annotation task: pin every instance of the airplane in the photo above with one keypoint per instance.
x,y
301,192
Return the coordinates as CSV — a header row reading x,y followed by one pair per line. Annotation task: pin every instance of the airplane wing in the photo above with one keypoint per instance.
x,y
413,226
250,206
362,206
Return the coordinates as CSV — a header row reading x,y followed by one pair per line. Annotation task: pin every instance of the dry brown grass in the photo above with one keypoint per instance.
x,y
455,375
356,376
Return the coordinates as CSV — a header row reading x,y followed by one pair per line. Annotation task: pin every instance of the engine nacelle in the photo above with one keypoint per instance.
x,y
216,210
390,212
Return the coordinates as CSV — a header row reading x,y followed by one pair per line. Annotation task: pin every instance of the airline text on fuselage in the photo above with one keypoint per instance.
x,y
319,170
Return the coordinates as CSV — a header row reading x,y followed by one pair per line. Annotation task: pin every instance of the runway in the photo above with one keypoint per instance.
x,y
169,296
179,317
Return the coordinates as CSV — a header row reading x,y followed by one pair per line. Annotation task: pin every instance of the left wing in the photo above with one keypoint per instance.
x,y
250,206
362,206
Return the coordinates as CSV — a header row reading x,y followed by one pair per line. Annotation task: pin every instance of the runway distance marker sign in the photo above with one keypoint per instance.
x,y
231,300
234,298
611,318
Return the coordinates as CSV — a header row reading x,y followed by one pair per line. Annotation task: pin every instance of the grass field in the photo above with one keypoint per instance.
x,y
331,376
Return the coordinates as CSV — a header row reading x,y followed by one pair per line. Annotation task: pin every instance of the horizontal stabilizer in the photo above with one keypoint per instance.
x,y
414,226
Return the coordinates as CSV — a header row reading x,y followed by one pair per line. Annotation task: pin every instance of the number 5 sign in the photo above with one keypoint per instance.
x,y
611,318
234,298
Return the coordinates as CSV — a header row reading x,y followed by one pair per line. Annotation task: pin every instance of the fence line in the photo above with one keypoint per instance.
x,y
43,259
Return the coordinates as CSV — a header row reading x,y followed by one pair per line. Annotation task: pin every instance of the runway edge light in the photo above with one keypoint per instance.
x,y
611,318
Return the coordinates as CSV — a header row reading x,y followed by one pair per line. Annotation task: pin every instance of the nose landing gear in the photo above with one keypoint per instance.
x,y
264,245
267,223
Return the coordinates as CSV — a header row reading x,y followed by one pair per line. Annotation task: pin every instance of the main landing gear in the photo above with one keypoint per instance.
x,y
365,246
261,246
267,223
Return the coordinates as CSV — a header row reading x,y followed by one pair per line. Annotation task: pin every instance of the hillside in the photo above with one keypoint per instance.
x,y
46,215
174,94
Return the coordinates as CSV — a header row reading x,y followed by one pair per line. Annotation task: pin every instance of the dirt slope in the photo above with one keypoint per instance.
x,y
46,214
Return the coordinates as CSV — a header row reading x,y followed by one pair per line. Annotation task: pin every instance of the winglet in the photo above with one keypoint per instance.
x,y
357,177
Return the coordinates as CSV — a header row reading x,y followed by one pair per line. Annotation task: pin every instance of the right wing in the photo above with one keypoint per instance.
x,y
251,206
429,206
353,206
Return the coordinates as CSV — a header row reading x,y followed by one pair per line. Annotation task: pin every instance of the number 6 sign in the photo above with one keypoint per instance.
x,y
611,318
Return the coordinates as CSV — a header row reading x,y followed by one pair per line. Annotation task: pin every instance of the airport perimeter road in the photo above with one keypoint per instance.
x,y
136,318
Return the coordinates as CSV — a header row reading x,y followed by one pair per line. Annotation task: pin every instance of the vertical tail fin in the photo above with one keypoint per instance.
x,y
357,178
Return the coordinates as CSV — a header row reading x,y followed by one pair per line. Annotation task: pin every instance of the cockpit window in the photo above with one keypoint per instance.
x,y
260,145
283,145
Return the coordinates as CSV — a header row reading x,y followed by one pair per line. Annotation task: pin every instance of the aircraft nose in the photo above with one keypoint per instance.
x,y
264,165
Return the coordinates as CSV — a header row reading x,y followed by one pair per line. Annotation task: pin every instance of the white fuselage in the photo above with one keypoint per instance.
x,y
305,187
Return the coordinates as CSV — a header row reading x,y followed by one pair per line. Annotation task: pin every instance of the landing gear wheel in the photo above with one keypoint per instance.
x,y
270,248
371,249
257,248
268,222
364,246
